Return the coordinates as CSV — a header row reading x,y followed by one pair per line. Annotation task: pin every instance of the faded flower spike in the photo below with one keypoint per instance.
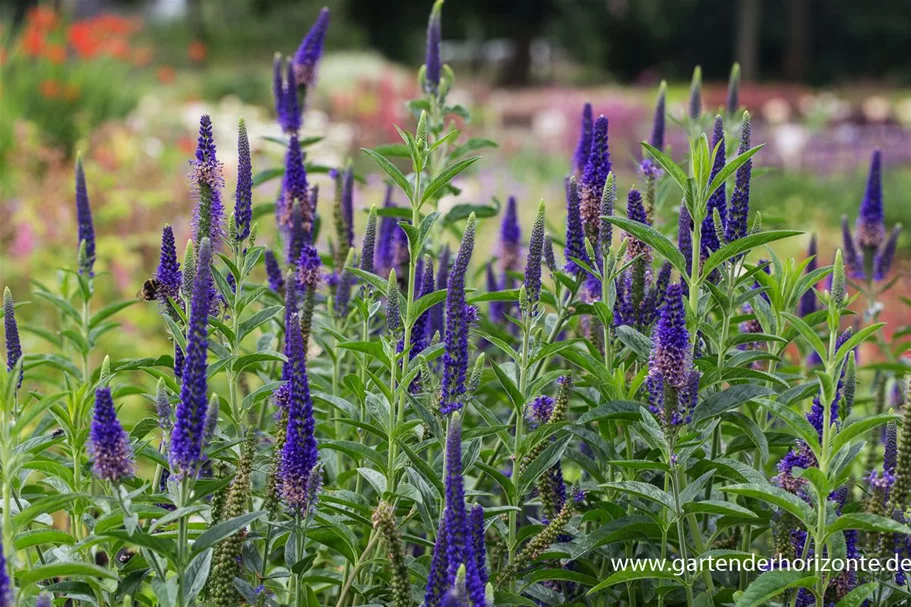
x,y
11,332
307,57
400,588
432,62
243,193
109,443
86,242
207,181
186,454
580,158
672,382
458,319
594,176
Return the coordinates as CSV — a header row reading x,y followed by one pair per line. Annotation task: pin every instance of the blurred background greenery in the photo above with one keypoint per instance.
x,y
124,81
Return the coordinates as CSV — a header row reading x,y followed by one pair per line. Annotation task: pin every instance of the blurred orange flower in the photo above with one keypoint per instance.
x,y
83,40
49,89
42,17
55,53
117,48
142,56
197,51
165,74
33,42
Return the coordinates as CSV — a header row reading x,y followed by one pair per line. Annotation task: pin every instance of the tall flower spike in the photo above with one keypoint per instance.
x,y
496,309
385,251
299,455
168,274
84,221
420,334
11,332
580,158
294,190
593,178
207,183
510,238
608,199
534,258
657,138
384,521
477,534
344,214
243,193
882,263
437,312
808,299
685,235
109,443
575,236
393,314
890,452
187,436
695,105
670,376
718,199
163,407
458,319
849,251
368,249
870,226
736,225
307,57
432,63
733,99
189,274
274,272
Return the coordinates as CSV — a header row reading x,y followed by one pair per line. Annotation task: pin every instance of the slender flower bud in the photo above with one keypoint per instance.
x,y
608,199
575,236
736,225
657,138
432,61
850,384
458,319
11,332
344,214
188,434
533,261
168,274
163,407
718,200
274,272
808,299
594,175
882,263
550,259
393,316
537,545
695,105
369,247
243,193
189,273
580,158
109,443
838,280
86,243
733,100
385,522
890,452
179,362
307,57
902,487
870,226
207,181
211,421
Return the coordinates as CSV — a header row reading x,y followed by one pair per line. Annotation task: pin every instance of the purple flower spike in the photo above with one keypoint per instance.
x,y
849,252
870,226
458,320
420,334
718,199
84,220
307,57
169,275
882,263
539,410
534,259
736,225
594,176
437,586
432,63
816,416
890,453
575,236
478,546
243,193
187,436
6,599
496,309
657,138
274,272
580,158
207,183
808,299
385,250
300,454
308,267
672,382
109,443
510,238
437,312
11,332
685,236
